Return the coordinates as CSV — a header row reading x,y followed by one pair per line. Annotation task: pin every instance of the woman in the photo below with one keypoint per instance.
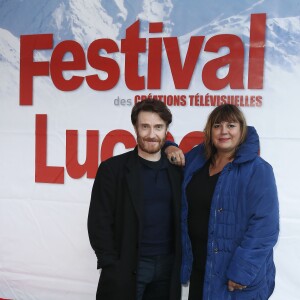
x,y
230,216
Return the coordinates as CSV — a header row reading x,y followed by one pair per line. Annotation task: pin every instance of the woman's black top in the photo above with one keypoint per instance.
x,y
199,195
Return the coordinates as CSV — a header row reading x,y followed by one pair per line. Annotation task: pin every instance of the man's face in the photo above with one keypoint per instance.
x,y
151,133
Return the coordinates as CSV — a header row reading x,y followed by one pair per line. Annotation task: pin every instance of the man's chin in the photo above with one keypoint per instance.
x,y
151,150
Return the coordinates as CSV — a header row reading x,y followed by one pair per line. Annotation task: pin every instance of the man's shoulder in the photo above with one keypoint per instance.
x,y
119,159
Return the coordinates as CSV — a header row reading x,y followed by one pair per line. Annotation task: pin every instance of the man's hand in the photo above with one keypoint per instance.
x,y
234,286
175,155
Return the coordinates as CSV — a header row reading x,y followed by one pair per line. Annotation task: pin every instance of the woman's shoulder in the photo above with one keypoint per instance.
x,y
259,161
258,167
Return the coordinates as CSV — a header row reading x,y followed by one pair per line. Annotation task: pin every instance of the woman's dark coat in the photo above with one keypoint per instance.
x,y
114,226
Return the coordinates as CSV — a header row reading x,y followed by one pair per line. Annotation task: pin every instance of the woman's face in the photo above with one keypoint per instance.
x,y
226,136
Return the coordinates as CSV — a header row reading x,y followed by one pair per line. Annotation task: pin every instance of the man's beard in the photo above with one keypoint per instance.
x,y
150,149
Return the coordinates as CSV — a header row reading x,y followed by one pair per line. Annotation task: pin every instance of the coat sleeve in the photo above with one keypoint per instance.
x,y
263,227
101,216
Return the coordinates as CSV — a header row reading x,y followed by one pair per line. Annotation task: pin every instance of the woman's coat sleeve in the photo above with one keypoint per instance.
x,y
263,226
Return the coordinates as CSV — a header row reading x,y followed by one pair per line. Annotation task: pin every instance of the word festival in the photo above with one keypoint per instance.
x,y
131,47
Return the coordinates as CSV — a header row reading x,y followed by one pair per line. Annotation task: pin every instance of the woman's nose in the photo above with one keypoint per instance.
x,y
224,129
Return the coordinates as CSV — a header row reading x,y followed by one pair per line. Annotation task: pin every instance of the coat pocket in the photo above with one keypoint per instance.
x,y
109,277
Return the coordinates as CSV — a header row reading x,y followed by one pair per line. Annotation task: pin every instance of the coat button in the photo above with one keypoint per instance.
x,y
216,250
134,272
220,209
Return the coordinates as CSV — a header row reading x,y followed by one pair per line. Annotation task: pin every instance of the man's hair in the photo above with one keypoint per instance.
x,y
151,105
223,113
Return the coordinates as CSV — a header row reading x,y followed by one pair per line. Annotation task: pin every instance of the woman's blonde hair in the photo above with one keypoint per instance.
x,y
223,113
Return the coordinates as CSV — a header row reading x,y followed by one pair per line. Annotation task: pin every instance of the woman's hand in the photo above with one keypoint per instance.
x,y
175,155
234,286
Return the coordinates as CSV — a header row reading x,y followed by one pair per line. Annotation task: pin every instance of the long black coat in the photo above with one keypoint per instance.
x,y
114,226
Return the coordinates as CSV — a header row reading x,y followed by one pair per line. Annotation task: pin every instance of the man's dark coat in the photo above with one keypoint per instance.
x,y
114,226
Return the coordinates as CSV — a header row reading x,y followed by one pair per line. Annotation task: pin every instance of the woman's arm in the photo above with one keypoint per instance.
x,y
262,229
174,154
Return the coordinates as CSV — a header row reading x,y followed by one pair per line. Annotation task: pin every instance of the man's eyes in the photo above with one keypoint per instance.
x,y
158,127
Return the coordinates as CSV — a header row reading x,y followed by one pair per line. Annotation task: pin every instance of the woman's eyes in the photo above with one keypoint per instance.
x,y
230,125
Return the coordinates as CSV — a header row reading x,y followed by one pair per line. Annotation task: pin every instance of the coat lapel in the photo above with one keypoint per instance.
x,y
175,180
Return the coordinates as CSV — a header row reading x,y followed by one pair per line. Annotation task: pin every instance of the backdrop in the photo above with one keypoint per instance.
x,y
70,72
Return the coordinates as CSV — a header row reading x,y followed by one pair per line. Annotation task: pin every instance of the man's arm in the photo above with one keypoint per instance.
x,y
101,216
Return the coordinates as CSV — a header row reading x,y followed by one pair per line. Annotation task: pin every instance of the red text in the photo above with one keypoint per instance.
x,y
132,45
94,153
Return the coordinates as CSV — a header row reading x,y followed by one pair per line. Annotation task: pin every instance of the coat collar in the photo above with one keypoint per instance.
x,y
246,152
250,148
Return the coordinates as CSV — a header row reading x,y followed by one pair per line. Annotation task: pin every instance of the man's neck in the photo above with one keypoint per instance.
x,y
149,156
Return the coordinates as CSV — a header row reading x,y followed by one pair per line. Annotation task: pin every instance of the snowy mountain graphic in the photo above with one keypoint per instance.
x,y
85,21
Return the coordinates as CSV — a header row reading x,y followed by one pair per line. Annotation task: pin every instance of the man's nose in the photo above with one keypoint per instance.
x,y
152,132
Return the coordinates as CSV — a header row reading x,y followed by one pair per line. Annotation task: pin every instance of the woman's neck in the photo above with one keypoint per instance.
x,y
219,162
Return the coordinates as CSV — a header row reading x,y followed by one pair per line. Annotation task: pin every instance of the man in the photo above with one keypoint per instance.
x,y
134,215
